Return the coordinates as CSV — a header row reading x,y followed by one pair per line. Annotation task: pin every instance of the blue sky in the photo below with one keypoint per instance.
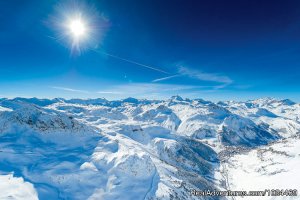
x,y
214,50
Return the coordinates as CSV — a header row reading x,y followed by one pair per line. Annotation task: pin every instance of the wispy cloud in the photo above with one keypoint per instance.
x,y
69,89
147,88
203,76
138,90
165,78
200,75
109,92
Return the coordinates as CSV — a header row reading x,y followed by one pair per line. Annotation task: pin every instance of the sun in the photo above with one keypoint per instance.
x,y
77,28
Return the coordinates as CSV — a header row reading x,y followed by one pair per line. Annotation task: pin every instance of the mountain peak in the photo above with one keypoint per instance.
x,y
288,102
131,100
270,100
177,98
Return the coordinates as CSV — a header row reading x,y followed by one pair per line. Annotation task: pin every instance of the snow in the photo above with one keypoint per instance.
x,y
145,149
15,188
271,167
4,109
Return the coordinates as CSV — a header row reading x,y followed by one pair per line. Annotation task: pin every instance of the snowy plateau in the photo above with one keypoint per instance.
x,y
140,149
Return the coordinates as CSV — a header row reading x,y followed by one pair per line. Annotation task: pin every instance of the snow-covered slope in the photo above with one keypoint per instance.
x,y
271,167
16,188
282,116
133,149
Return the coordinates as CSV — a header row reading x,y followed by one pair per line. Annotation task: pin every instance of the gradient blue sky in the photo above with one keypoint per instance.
x,y
212,49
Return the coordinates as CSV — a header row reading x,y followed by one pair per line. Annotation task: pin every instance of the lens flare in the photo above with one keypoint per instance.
x,y
77,28
78,25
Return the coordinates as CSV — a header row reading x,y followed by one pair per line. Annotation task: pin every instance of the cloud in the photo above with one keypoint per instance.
x,y
200,75
203,76
109,92
136,89
142,90
69,89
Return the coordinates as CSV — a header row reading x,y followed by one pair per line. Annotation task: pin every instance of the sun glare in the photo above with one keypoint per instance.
x,y
77,28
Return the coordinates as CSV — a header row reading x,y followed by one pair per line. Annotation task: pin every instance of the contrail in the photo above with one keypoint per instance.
x,y
165,78
123,59
133,62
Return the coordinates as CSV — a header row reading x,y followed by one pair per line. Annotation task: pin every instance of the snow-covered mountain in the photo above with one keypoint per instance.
x,y
140,149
